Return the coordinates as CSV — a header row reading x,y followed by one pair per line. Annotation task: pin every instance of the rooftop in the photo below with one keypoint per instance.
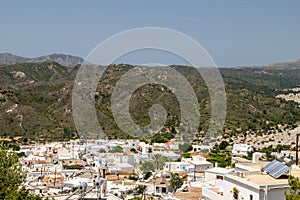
x,y
241,160
193,193
257,166
219,170
265,179
262,179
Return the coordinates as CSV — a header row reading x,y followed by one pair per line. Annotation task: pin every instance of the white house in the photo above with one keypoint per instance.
x,y
169,154
198,163
199,148
120,167
178,167
123,158
144,148
250,184
241,149
215,176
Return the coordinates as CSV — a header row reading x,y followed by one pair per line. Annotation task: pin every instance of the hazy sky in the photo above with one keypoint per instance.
x,y
233,32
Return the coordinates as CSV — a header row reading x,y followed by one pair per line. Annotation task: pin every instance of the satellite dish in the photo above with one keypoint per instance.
x,y
99,182
82,186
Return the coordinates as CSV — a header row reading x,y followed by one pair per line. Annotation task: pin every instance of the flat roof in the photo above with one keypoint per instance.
x,y
193,193
241,160
257,166
264,179
219,170
199,162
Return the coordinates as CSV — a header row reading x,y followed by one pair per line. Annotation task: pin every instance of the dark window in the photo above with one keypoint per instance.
x,y
251,197
235,194
219,177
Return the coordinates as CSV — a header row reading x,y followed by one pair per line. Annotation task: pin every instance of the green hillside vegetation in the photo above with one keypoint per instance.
x,y
42,92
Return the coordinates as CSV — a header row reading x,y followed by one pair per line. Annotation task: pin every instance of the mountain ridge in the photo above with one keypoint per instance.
x,y
62,59
35,100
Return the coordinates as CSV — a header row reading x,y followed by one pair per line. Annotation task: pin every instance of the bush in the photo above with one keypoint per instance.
x,y
133,150
72,166
102,151
116,149
134,178
147,175
186,155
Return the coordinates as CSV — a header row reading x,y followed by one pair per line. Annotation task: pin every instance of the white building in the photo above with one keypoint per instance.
x,y
250,183
178,167
169,154
198,163
241,149
121,167
215,176
144,148
199,148
194,164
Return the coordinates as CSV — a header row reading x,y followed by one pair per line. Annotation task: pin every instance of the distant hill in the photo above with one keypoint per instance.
x,y
35,100
65,60
286,65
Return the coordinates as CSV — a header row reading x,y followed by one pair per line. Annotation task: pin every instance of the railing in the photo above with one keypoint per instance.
x,y
206,192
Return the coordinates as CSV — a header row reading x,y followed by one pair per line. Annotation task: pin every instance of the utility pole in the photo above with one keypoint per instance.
x,y
73,149
54,176
194,172
297,147
41,171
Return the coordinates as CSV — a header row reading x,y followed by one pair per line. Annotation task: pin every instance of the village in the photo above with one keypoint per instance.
x,y
133,169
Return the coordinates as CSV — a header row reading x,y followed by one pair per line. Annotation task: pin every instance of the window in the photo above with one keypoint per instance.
x,y
235,193
251,197
219,177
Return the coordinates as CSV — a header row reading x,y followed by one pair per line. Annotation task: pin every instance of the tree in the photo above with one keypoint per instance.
x,y
102,150
147,166
295,187
176,181
185,147
186,155
141,189
12,177
116,149
159,161
223,145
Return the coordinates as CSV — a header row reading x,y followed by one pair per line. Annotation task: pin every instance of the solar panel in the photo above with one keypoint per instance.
x,y
280,172
276,168
269,167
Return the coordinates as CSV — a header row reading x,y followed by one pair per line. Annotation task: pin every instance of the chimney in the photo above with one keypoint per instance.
x,y
216,164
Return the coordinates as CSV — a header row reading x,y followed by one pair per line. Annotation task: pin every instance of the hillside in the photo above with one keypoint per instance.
x,y
35,100
65,60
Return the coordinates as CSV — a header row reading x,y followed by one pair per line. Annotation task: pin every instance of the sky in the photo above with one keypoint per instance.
x,y
234,33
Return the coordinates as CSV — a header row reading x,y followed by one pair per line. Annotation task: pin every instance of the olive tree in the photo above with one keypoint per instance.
x,y
12,176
